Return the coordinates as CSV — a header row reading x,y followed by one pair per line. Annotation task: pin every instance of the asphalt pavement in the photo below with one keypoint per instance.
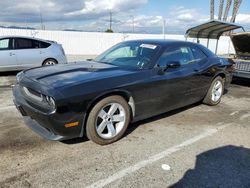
x,y
196,146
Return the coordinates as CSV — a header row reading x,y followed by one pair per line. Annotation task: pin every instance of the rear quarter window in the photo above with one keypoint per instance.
x,y
44,44
198,54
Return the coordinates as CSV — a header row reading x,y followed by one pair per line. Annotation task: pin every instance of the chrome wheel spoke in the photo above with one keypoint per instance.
x,y
217,91
113,108
217,85
213,97
111,129
102,114
118,118
101,127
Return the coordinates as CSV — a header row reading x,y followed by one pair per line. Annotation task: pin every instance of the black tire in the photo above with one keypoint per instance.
x,y
208,98
91,131
49,61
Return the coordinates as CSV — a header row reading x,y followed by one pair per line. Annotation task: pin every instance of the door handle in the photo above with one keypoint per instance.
x,y
11,54
196,70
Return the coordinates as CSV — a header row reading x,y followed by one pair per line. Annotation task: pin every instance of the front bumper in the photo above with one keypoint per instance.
x,y
242,74
49,125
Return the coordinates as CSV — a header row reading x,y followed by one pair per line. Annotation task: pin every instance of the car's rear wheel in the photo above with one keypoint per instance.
x,y
108,120
215,92
49,62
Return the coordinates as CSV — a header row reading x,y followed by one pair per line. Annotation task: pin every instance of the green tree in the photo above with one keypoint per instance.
x,y
109,31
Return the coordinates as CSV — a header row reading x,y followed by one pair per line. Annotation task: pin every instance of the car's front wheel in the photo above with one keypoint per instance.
x,y
215,92
108,120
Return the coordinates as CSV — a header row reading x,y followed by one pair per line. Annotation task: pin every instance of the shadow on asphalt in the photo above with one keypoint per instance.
x,y
132,127
75,140
11,73
241,81
227,166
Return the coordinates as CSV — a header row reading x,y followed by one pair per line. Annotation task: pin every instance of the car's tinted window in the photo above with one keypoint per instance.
x,y
44,44
183,55
36,44
4,44
198,54
23,43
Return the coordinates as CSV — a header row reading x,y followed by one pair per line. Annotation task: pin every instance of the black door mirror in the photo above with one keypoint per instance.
x,y
169,65
89,59
173,64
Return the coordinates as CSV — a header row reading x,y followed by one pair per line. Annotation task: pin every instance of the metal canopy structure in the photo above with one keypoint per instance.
x,y
211,30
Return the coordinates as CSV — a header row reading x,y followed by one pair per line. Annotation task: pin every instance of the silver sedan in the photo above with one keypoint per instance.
x,y
18,53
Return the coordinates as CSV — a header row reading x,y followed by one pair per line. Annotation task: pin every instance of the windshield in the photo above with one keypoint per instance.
x,y
130,54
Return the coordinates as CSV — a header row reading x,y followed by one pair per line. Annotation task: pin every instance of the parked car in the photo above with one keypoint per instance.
x,y
18,53
241,59
131,81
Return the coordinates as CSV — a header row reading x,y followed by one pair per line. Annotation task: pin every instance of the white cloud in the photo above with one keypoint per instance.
x,y
243,19
93,15
181,18
99,7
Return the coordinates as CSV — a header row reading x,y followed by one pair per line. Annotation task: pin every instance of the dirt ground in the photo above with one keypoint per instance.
x,y
196,146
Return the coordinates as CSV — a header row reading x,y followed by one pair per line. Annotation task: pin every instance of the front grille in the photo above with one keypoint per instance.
x,y
242,66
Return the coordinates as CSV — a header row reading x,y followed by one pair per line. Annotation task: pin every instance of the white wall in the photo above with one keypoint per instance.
x,y
93,43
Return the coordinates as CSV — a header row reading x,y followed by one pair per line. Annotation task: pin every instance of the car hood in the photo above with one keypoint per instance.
x,y
65,74
241,43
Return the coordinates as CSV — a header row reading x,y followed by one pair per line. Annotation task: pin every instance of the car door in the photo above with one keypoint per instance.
x,y
202,75
176,86
8,59
28,52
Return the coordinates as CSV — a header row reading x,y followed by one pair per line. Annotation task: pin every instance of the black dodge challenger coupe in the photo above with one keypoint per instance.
x,y
131,81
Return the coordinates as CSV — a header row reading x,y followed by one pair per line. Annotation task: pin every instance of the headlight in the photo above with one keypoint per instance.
x,y
19,77
41,98
50,101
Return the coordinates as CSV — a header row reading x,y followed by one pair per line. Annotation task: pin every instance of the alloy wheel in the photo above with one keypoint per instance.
x,y
110,120
217,91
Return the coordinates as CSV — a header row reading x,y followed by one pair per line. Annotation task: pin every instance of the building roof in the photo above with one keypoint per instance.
x,y
211,30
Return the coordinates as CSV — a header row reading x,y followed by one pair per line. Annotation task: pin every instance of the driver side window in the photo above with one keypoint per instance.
x,y
180,54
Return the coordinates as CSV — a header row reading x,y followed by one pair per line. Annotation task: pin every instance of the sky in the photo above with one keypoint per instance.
x,y
93,15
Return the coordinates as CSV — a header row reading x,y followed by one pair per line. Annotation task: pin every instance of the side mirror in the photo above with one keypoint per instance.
x,y
169,65
89,59
173,64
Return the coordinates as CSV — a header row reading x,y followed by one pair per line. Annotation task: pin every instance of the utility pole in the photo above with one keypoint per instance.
x,y
110,20
163,27
133,23
41,19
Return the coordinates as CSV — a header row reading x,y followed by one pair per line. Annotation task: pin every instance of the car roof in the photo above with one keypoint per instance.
x,y
165,43
25,37
161,42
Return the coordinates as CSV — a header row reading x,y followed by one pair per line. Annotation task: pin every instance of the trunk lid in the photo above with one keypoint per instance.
x,y
241,42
